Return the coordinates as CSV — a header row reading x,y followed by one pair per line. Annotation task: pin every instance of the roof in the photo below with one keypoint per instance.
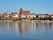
x,y
14,13
50,14
24,12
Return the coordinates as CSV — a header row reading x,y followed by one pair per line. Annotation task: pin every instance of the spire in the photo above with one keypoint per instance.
x,y
21,10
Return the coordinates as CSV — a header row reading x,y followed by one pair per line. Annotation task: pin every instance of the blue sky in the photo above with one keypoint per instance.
x,y
35,6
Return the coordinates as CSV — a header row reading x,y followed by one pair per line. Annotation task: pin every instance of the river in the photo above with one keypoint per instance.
x,y
26,30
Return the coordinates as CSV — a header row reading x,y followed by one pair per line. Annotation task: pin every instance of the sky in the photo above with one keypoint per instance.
x,y
34,6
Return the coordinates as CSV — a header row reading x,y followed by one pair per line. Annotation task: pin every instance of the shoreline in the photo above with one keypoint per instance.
x,y
25,20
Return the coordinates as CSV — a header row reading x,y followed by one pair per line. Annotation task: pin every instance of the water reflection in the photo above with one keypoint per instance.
x,y
27,27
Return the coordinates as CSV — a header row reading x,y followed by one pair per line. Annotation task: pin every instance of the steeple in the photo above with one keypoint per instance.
x,y
21,10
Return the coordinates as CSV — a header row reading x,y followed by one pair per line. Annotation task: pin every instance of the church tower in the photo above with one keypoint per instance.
x,y
21,10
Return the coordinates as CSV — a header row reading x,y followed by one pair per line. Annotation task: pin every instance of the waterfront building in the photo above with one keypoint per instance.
x,y
31,16
23,16
0,15
47,17
23,13
51,15
5,15
42,16
14,15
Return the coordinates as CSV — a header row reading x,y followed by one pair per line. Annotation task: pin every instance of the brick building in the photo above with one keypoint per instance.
x,y
23,13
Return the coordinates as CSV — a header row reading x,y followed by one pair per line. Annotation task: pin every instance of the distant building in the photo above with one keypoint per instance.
x,y
14,15
41,16
51,15
23,13
0,15
31,16
5,15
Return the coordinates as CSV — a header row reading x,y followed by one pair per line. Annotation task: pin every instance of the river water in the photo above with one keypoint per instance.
x,y
26,30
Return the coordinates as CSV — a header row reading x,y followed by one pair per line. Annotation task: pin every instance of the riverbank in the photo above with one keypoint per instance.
x,y
25,21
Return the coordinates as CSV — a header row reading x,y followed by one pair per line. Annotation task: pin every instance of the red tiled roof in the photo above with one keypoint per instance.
x,y
24,12
50,14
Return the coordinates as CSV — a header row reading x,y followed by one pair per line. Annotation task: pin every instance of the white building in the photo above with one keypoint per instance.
x,y
51,15
41,16
23,16
31,16
15,15
5,14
